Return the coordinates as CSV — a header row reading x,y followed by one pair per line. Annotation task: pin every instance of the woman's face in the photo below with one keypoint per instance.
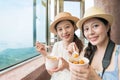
x,y
65,31
95,31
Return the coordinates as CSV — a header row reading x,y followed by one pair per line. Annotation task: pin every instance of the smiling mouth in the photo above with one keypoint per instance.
x,y
93,39
66,36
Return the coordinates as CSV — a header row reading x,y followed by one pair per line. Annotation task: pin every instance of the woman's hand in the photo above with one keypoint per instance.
x,y
72,47
84,74
41,48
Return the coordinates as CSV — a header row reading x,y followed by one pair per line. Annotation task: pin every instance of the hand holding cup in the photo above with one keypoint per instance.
x,y
77,63
51,62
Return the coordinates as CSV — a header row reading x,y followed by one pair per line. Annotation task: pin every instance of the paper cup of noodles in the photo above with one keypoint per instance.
x,y
77,63
51,62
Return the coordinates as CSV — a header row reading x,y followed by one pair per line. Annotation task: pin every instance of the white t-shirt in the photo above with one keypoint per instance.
x,y
60,51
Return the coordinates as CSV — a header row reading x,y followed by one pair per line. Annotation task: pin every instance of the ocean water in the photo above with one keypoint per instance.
x,y
12,56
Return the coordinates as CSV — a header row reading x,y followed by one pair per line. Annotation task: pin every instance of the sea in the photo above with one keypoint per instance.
x,y
13,54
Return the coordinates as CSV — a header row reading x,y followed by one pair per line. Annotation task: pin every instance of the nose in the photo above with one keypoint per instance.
x,y
91,32
64,30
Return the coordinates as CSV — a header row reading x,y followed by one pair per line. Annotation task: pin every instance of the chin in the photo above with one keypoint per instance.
x,y
93,43
67,40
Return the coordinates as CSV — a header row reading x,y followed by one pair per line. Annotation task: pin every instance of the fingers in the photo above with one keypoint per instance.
x,y
81,74
75,47
41,48
72,47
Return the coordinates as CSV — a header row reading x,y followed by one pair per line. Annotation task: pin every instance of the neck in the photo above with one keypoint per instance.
x,y
66,43
103,45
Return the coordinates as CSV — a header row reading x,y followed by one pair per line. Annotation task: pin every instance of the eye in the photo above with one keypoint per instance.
x,y
86,29
96,25
67,26
59,29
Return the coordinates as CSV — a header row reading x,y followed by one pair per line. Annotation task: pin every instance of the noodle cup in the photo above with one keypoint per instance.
x,y
78,63
51,62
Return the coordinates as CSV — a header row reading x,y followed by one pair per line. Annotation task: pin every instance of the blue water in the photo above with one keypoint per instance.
x,y
10,57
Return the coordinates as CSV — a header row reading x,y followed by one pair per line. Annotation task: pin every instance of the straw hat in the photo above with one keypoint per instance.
x,y
94,12
62,16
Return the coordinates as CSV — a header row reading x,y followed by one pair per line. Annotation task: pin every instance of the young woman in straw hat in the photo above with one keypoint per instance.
x,y
103,53
64,26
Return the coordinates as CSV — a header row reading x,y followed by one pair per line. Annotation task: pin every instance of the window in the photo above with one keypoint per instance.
x,y
41,20
18,18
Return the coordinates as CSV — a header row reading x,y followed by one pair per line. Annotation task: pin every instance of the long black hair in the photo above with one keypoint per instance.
x,y
90,49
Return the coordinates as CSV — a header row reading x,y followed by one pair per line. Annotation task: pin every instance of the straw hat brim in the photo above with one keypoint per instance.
x,y
52,26
107,17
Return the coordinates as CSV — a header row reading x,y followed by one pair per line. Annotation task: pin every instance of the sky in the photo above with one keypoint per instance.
x,y
16,17
16,23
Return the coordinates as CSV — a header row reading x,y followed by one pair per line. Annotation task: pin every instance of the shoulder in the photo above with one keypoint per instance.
x,y
118,53
117,49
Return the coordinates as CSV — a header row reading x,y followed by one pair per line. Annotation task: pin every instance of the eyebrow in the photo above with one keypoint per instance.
x,y
93,23
63,25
